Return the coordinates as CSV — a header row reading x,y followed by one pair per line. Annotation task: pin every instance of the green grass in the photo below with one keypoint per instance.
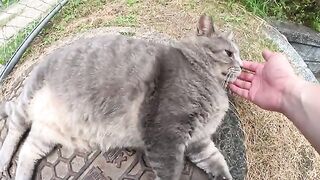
x,y
10,47
306,12
7,3
126,20
56,28
132,2
190,4
76,9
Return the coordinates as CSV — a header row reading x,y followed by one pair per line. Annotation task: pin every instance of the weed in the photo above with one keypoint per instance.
x,y
126,20
232,19
306,12
132,2
10,47
79,8
73,10
162,2
190,4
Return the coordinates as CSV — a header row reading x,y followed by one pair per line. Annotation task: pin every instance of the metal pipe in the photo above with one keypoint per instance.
x,y
23,47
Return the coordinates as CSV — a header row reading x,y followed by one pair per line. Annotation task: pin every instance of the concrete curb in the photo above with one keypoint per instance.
x,y
295,59
305,41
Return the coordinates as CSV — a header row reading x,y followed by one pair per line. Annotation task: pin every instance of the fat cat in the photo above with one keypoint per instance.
x,y
113,91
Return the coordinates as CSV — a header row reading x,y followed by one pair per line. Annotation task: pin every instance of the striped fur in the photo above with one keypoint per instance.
x,y
113,91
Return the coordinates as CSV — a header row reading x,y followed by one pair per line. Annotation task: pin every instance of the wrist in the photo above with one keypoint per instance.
x,y
291,95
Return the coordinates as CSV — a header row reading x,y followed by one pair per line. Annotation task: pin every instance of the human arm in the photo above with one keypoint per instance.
x,y
301,105
274,86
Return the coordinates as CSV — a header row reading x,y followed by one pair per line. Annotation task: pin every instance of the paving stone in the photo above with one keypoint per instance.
x,y
61,169
47,173
21,14
53,157
66,153
77,163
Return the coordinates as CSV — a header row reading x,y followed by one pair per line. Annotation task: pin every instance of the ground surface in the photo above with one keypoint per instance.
x,y
274,148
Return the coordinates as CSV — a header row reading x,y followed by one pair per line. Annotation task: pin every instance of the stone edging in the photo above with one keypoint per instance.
x,y
295,59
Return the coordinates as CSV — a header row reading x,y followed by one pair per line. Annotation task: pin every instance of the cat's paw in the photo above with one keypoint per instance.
x,y
219,169
221,174
4,162
220,177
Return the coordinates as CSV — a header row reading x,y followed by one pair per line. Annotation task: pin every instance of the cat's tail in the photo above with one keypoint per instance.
x,y
17,109
34,83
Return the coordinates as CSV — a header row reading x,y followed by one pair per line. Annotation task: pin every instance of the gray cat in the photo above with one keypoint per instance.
x,y
112,91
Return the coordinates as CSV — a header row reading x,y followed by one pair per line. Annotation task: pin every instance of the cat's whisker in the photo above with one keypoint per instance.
x,y
230,73
228,77
233,110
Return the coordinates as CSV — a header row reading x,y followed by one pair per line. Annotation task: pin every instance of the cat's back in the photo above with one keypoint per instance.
x,y
110,70
93,88
109,57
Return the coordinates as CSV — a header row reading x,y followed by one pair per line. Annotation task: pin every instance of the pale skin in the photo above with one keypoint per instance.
x,y
274,86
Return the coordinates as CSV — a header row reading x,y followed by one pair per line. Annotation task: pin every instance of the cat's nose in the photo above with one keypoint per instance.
x,y
239,61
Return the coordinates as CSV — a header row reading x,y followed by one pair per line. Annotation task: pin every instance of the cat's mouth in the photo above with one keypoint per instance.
x,y
231,75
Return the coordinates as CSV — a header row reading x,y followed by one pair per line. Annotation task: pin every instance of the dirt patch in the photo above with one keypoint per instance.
x,y
275,149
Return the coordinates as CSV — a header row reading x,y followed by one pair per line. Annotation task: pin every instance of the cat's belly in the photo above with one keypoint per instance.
x,y
50,118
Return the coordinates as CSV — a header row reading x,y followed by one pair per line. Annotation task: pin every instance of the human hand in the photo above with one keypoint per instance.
x,y
268,83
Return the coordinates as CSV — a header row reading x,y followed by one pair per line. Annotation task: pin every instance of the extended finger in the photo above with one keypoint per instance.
x,y
252,66
242,84
266,54
246,76
239,91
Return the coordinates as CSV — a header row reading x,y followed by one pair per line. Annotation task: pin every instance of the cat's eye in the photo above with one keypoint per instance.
x,y
229,53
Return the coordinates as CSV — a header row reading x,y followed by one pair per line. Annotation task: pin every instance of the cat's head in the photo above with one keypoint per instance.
x,y
223,52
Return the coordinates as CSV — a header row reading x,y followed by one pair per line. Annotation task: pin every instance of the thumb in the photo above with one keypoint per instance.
x,y
266,54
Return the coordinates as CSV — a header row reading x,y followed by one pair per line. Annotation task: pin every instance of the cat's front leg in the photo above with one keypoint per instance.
x,y
8,148
207,157
167,162
36,146
165,151
16,128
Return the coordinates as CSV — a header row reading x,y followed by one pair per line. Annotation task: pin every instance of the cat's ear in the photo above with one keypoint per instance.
x,y
205,26
229,35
